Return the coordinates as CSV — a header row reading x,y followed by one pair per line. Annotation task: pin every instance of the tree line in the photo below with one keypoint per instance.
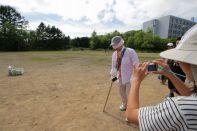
x,y
14,36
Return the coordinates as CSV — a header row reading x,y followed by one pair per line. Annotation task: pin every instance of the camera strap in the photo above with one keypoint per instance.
x,y
162,68
120,60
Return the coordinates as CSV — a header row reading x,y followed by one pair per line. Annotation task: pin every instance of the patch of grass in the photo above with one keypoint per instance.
x,y
87,56
100,58
148,56
40,59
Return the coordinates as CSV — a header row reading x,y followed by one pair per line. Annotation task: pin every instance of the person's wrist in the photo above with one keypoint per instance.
x,y
169,75
136,81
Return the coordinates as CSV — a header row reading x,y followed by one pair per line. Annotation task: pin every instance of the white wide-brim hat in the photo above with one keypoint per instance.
x,y
186,50
117,41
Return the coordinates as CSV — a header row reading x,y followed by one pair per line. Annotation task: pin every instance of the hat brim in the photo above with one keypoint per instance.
x,y
117,45
180,55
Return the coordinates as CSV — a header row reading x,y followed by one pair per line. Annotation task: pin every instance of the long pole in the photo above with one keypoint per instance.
x,y
107,96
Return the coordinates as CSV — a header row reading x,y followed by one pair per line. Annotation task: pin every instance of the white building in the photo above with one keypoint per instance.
x,y
168,26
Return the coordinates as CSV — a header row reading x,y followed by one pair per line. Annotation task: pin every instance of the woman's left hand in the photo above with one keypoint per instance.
x,y
140,71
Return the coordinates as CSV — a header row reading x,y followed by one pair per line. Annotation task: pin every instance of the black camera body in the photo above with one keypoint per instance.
x,y
152,67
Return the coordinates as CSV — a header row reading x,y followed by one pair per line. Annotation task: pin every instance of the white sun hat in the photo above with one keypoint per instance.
x,y
117,41
186,50
170,44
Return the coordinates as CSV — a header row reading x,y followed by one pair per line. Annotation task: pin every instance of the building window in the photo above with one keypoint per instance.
x,y
170,25
176,20
171,20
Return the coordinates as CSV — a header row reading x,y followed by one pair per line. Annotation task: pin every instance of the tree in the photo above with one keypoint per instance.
x,y
138,39
116,33
12,27
74,42
13,39
84,42
94,41
148,42
105,41
41,31
130,42
11,16
50,38
31,39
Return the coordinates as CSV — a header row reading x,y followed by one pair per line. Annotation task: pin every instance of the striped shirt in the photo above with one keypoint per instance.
x,y
174,114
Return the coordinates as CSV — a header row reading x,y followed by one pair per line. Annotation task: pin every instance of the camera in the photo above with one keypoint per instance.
x,y
152,67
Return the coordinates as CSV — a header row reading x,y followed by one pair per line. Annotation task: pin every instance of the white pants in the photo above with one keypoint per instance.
x,y
124,92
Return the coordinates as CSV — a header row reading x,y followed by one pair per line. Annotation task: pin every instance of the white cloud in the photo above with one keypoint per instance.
x,y
84,16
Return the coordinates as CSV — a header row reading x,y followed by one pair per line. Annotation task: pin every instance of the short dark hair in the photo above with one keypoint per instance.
x,y
178,38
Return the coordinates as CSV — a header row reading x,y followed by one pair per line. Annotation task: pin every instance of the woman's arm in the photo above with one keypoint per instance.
x,y
139,73
180,86
133,103
187,70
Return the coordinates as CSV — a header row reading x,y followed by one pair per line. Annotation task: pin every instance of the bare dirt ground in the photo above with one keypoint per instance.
x,y
65,92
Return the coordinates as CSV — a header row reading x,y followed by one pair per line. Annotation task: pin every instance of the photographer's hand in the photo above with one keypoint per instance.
x,y
139,72
163,68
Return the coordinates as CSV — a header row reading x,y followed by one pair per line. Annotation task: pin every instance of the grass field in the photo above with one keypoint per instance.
x,y
91,57
66,91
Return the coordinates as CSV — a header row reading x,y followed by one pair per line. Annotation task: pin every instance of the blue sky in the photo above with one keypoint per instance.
x,y
81,17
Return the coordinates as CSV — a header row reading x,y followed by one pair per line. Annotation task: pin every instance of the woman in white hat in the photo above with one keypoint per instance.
x,y
123,60
177,113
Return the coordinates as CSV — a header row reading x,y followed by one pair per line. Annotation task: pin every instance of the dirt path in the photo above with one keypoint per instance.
x,y
66,95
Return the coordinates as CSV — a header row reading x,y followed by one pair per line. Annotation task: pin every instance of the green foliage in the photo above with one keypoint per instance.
x,y
11,16
49,38
148,42
94,41
12,30
138,39
13,39
105,41
82,42
130,42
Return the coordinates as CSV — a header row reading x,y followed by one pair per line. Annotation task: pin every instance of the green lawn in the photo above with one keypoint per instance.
x,y
95,57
